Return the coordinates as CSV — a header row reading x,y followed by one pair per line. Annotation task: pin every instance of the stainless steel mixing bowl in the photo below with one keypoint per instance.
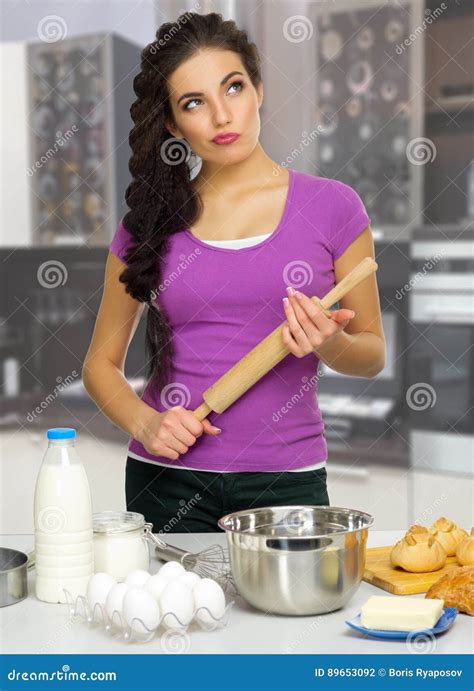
x,y
297,559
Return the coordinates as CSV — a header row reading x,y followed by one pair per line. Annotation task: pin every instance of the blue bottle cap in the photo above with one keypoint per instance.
x,y
61,433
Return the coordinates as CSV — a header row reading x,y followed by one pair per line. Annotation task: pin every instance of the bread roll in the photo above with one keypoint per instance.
x,y
465,550
418,552
448,534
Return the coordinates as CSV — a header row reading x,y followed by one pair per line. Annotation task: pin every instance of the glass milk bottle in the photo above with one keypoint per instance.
x,y
64,547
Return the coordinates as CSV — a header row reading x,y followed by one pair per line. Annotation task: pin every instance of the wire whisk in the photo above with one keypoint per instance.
x,y
211,562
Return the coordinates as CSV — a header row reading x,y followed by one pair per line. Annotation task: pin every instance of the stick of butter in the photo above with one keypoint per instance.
x,y
400,614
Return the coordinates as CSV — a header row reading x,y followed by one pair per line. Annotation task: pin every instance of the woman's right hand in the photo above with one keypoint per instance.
x,y
171,433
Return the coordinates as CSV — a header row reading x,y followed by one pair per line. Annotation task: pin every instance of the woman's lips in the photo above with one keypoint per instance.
x,y
226,138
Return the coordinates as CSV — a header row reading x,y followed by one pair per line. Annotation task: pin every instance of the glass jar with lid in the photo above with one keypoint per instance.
x,y
120,542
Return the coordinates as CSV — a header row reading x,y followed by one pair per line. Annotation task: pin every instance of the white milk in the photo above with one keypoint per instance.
x,y
120,554
64,548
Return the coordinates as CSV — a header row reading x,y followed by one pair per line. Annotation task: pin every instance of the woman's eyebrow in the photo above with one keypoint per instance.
x,y
200,93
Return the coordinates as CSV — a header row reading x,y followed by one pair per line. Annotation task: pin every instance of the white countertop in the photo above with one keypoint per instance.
x,y
32,626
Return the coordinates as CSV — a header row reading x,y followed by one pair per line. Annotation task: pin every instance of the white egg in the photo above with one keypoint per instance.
x,y
171,570
98,588
189,578
137,578
155,585
208,593
176,599
114,601
139,604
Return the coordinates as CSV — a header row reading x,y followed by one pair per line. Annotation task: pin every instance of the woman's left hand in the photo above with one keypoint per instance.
x,y
307,327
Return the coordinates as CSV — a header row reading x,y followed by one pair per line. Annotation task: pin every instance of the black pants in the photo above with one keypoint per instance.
x,y
179,501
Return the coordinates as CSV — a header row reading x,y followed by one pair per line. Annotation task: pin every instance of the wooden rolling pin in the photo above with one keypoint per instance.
x,y
271,350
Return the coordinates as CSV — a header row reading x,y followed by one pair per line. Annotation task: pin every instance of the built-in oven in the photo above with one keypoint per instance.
x,y
440,392
364,417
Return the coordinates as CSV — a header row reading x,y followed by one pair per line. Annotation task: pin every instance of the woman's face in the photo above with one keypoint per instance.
x,y
212,94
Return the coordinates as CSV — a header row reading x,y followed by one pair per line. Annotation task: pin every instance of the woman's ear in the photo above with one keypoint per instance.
x,y
260,94
172,130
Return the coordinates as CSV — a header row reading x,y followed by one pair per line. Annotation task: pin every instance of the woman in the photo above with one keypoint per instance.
x,y
212,257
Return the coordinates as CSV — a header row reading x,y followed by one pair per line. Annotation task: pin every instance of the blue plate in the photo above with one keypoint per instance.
x,y
444,622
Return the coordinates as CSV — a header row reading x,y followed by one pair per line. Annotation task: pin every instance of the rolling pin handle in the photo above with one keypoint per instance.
x,y
202,411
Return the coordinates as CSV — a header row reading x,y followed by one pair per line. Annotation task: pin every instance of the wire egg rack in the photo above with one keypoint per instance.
x,y
137,630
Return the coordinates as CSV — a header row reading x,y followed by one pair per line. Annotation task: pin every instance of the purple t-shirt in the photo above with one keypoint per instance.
x,y
221,302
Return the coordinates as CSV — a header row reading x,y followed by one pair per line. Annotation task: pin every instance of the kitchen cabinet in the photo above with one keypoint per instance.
x,y
449,106
441,494
80,95
15,213
377,489
64,143
399,497
47,330
369,105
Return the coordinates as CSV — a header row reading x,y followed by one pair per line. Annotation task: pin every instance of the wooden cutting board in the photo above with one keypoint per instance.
x,y
380,572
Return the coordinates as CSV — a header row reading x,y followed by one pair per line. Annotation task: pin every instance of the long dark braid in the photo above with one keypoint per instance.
x,y
161,198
